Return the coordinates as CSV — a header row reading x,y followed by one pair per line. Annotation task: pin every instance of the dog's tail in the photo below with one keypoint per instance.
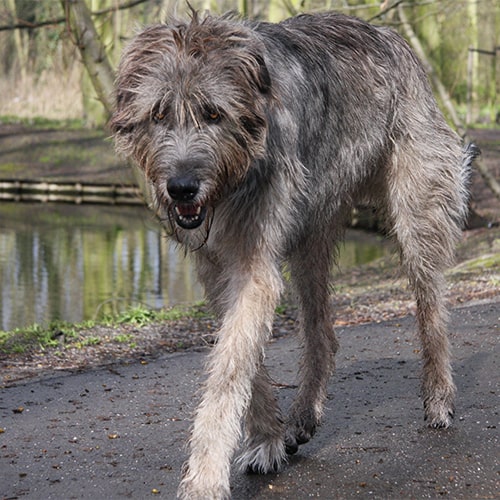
x,y
469,153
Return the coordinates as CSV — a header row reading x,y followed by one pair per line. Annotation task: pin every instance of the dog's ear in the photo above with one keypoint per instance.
x,y
116,122
120,121
253,67
263,79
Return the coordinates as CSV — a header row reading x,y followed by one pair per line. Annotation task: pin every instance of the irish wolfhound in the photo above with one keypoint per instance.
x,y
257,139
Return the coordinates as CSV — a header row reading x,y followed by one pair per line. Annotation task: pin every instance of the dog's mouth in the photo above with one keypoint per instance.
x,y
188,215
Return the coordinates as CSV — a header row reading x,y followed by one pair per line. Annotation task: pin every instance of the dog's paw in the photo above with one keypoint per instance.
x,y
439,411
262,457
299,432
203,483
192,490
439,416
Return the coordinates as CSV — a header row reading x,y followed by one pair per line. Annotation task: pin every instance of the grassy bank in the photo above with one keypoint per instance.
x,y
63,335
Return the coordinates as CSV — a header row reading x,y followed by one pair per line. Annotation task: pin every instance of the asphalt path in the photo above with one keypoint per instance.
x,y
120,431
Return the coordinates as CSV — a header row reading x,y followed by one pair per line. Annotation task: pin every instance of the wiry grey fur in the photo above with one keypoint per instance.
x,y
257,140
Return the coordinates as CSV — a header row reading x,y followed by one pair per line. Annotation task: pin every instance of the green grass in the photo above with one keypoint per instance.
x,y
60,334
41,122
37,337
140,315
490,261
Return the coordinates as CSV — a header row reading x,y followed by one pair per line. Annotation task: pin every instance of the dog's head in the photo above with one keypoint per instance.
x,y
190,110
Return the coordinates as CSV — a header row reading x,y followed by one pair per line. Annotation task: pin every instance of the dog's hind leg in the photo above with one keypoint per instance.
x,y
427,204
263,447
311,267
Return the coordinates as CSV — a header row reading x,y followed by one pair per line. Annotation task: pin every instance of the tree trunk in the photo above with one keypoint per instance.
x,y
438,85
488,177
91,50
20,44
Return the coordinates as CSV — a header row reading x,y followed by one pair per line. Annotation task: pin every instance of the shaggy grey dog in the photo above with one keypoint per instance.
x,y
257,139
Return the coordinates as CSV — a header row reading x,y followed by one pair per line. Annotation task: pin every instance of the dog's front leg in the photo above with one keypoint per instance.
x,y
232,366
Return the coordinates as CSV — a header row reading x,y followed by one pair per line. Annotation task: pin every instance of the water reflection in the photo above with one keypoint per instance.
x,y
75,262
78,262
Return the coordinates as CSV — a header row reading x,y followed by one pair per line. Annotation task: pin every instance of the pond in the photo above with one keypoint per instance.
x,y
79,262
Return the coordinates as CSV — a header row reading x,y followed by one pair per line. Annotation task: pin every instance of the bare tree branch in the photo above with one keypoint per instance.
x,y
385,10
24,25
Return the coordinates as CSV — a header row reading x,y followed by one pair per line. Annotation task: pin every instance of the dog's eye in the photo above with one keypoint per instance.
x,y
158,116
212,115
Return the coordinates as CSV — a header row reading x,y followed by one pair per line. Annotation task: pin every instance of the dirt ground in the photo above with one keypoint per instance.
x,y
58,155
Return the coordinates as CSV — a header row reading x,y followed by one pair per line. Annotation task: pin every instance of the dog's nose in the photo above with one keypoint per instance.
x,y
183,188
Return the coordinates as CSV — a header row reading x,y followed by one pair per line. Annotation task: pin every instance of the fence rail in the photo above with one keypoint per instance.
x,y
70,192
110,194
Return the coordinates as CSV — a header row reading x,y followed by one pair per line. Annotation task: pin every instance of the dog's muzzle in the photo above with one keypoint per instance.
x,y
186,212
188,215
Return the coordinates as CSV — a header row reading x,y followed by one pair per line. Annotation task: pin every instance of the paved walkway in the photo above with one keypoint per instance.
x,y
119,432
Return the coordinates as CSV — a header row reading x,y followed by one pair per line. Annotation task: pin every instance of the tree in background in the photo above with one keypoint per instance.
x,y
41,70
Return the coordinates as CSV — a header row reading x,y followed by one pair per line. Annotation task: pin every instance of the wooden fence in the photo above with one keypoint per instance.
x,y
75,192
109,194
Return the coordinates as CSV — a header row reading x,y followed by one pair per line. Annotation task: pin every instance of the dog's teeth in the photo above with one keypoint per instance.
x,y
190,216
